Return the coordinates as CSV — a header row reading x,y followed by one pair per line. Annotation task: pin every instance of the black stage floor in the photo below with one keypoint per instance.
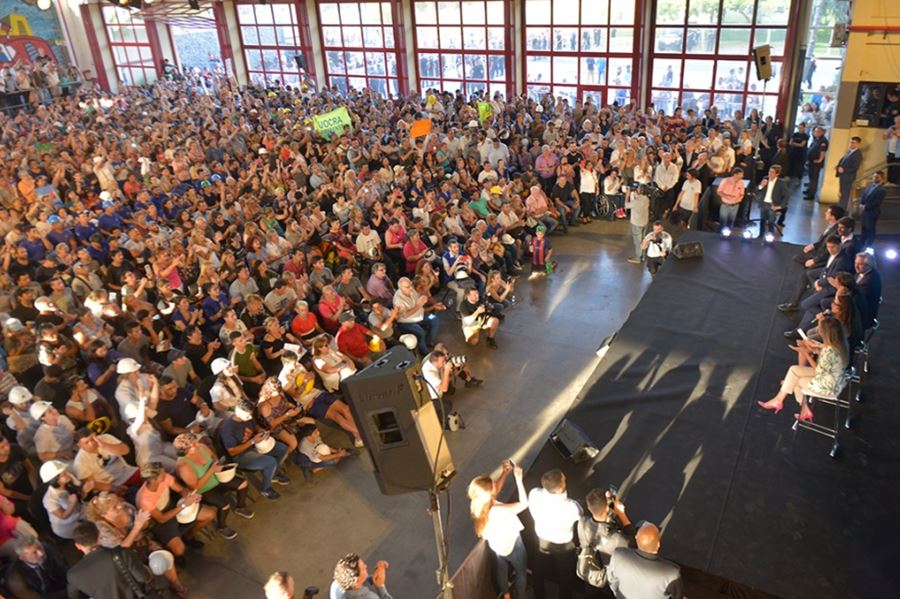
x,y
739,494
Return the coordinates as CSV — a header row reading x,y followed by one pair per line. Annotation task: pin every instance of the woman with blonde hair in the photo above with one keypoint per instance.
x,y
498,523
825,375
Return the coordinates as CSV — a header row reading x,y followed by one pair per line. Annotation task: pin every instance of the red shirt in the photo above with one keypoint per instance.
x,y
353,341
327,311
410,249
301,327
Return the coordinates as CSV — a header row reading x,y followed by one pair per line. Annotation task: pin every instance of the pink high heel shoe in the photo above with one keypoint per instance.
x,y
771,407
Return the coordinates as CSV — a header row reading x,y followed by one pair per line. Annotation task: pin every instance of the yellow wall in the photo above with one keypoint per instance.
x,y
870,56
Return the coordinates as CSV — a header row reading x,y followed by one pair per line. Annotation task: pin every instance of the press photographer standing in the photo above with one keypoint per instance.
x,y
657,245
601,531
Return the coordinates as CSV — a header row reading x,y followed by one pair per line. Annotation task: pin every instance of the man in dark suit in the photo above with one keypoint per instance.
x,y
846,170
868,282
814,255
815,157
817,278
870,206
850,245
773,196
641,572
36,573
106,573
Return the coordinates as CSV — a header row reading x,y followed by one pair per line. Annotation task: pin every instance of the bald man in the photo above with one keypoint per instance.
x,y
640,573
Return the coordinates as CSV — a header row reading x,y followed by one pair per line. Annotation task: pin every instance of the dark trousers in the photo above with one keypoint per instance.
x,y
893,174
867,236
767,218
815,173
561,558
517,560
804,281
846,185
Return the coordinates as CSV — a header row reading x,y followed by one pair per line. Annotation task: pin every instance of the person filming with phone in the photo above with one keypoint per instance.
x,y
605,528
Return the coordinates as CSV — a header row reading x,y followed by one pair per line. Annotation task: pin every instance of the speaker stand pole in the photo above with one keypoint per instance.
x,y
443,572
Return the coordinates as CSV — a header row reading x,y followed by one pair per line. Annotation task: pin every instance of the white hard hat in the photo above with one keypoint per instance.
x,y
105,196
160,562
52,469
218,365
473,124
19,395
38,408
266,445
410,341
127,366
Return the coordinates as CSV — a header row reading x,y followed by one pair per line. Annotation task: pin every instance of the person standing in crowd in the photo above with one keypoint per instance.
x,y
688,202
641,572
555,516
846,170
797,147
870,201
639,205
107,573
815,158
498,523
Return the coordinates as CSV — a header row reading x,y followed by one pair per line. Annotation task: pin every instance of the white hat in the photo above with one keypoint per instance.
x,y
19,395
105,196
127,366
266,445
161,561
243,413
507,239
98,159
473,124
410,341
263,151
52,469
218,365
539,108
38,408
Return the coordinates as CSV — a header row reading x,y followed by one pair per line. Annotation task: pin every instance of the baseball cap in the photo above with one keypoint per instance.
x,y
38,408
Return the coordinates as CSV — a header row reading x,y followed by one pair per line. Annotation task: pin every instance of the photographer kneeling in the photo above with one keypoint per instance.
x,y
440,369
657,245
600,532
476,316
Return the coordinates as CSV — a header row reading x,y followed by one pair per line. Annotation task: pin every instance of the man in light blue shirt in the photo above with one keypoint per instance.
x,y
352,581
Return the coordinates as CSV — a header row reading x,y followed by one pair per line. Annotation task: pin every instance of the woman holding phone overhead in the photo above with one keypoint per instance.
x,y
498,523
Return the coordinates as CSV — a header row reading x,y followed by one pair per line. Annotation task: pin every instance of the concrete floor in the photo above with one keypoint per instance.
x,y
546,356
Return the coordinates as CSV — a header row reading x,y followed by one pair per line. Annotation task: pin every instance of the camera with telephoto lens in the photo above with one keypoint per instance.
x,y
458,361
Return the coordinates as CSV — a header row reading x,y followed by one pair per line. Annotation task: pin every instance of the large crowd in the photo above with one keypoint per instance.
x,y
189,271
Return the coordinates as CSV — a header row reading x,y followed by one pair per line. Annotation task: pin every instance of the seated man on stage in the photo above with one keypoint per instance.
x,y
773,196
818,277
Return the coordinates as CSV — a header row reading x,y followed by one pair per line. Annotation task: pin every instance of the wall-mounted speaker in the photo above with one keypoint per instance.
x,y
762,58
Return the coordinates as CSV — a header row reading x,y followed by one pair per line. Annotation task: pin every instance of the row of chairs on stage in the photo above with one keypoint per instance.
x,y
844,402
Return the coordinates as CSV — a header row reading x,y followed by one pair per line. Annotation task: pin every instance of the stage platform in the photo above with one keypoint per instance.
x,y
737,493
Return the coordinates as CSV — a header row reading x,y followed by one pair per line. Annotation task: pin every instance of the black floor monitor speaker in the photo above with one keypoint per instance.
x,y
572,442
688,249
399,424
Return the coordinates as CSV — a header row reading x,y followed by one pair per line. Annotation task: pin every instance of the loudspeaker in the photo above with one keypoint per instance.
x,y
761,56
572,442
688,249
301,61
399,424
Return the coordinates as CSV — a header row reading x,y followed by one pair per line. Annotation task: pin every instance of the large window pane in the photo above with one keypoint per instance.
x,y
731,74
372,37
734,41
737,12
593,70
496,39
452,66
670,39
476,66
473,13
620,71
496,68
664,100
537,38
427,37
621,40
451,38
329,14
538,68
426,13
565,39
774,37
331,36
594,13
593,40
356,63
670,11
698,74
565,69
537,12
448,13
703,12
666,72
474,38
701,41
563,13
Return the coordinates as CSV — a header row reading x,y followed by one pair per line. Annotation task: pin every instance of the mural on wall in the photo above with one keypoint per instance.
x,y
28,33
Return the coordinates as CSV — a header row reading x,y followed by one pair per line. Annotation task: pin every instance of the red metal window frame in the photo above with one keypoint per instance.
x,y
507,53
633,54
396,31
719,54
287,72
149,72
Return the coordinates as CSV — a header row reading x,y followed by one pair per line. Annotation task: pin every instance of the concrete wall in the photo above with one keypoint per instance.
x,y
870,56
